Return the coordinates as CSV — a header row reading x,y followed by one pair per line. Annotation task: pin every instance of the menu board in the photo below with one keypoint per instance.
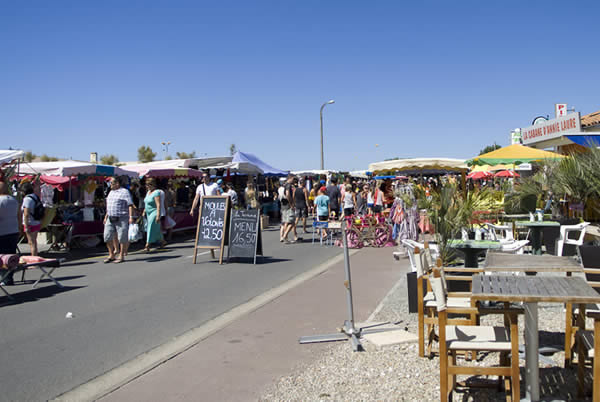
x,y
245,240
212,225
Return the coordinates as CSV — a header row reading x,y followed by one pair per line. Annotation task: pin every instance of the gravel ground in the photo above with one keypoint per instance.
x,y
396,373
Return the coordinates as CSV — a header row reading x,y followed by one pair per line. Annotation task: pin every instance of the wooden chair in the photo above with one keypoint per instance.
x,y
458,303
590,258
457,338
587,344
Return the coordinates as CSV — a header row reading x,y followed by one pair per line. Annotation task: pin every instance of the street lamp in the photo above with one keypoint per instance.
x,y
322,107
166,147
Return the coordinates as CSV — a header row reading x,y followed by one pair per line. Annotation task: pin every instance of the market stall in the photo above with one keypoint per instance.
x,y
74,193
179,181
417,167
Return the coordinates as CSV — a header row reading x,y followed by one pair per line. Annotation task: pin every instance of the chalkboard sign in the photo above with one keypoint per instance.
x,y
245,240
212,225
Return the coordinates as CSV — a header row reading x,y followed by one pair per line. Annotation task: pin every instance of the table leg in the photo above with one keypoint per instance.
x,y
536,241
471,257
532,365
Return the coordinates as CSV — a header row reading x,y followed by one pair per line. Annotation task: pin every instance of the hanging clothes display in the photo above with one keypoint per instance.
x,y
405,220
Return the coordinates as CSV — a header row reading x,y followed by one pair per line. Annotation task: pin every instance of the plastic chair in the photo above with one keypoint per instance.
x,y
515,247
502,233
410,248
321,225
564,236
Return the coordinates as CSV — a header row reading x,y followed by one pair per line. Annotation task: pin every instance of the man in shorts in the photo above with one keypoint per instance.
x,y
301,203
333,192
119,214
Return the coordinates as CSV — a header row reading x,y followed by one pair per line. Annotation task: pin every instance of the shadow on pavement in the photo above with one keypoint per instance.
x,y
172,247
269,260
78,264
35,294
45,280
155,259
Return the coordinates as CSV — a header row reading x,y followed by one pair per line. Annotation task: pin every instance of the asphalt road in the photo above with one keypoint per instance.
x,y
123,310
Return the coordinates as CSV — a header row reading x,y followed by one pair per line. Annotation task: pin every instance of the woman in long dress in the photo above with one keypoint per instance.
x,y
152,203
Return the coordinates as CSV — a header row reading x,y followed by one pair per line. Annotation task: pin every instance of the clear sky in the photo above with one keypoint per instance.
x,y
418,79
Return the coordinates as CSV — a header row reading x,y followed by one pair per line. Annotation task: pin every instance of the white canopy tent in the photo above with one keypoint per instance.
x,y
313,172
72,168
361,174
166,164
418,164
10,155
219,162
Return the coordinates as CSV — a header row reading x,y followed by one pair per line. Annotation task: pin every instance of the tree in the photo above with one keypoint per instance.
x,y
489,148
145,154
109,159
29,156
185,155
232,149
46,158
168,157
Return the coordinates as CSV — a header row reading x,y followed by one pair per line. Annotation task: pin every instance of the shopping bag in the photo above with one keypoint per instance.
x,y
169,222
134,233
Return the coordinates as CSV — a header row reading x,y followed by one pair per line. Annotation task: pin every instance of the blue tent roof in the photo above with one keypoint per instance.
x,y
585,140
267,169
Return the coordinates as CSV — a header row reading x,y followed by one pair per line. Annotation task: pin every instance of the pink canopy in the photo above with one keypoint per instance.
x,y
148,171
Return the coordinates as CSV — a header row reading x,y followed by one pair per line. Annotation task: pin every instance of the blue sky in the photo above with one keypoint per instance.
x,y
418,79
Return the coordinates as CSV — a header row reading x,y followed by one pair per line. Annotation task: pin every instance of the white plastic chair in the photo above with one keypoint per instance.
x,y
502,233
514,247
564,236
410,251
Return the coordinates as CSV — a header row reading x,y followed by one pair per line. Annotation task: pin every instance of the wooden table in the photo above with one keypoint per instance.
x,y
502,262
536,232
532,290
472,248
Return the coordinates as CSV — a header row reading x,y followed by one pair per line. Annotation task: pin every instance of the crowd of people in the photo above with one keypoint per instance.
x,y
328,201
150,204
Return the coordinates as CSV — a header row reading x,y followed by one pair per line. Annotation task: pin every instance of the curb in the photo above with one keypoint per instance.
x,y
114,379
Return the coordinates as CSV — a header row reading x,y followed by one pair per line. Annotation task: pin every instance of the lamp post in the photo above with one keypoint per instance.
x,y
322,107
166,147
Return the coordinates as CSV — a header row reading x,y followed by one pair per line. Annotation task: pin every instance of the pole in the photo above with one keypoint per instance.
x,y
321,114
350,323
322,161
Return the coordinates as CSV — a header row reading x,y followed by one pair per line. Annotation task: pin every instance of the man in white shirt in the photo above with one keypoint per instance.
x,y
204,189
